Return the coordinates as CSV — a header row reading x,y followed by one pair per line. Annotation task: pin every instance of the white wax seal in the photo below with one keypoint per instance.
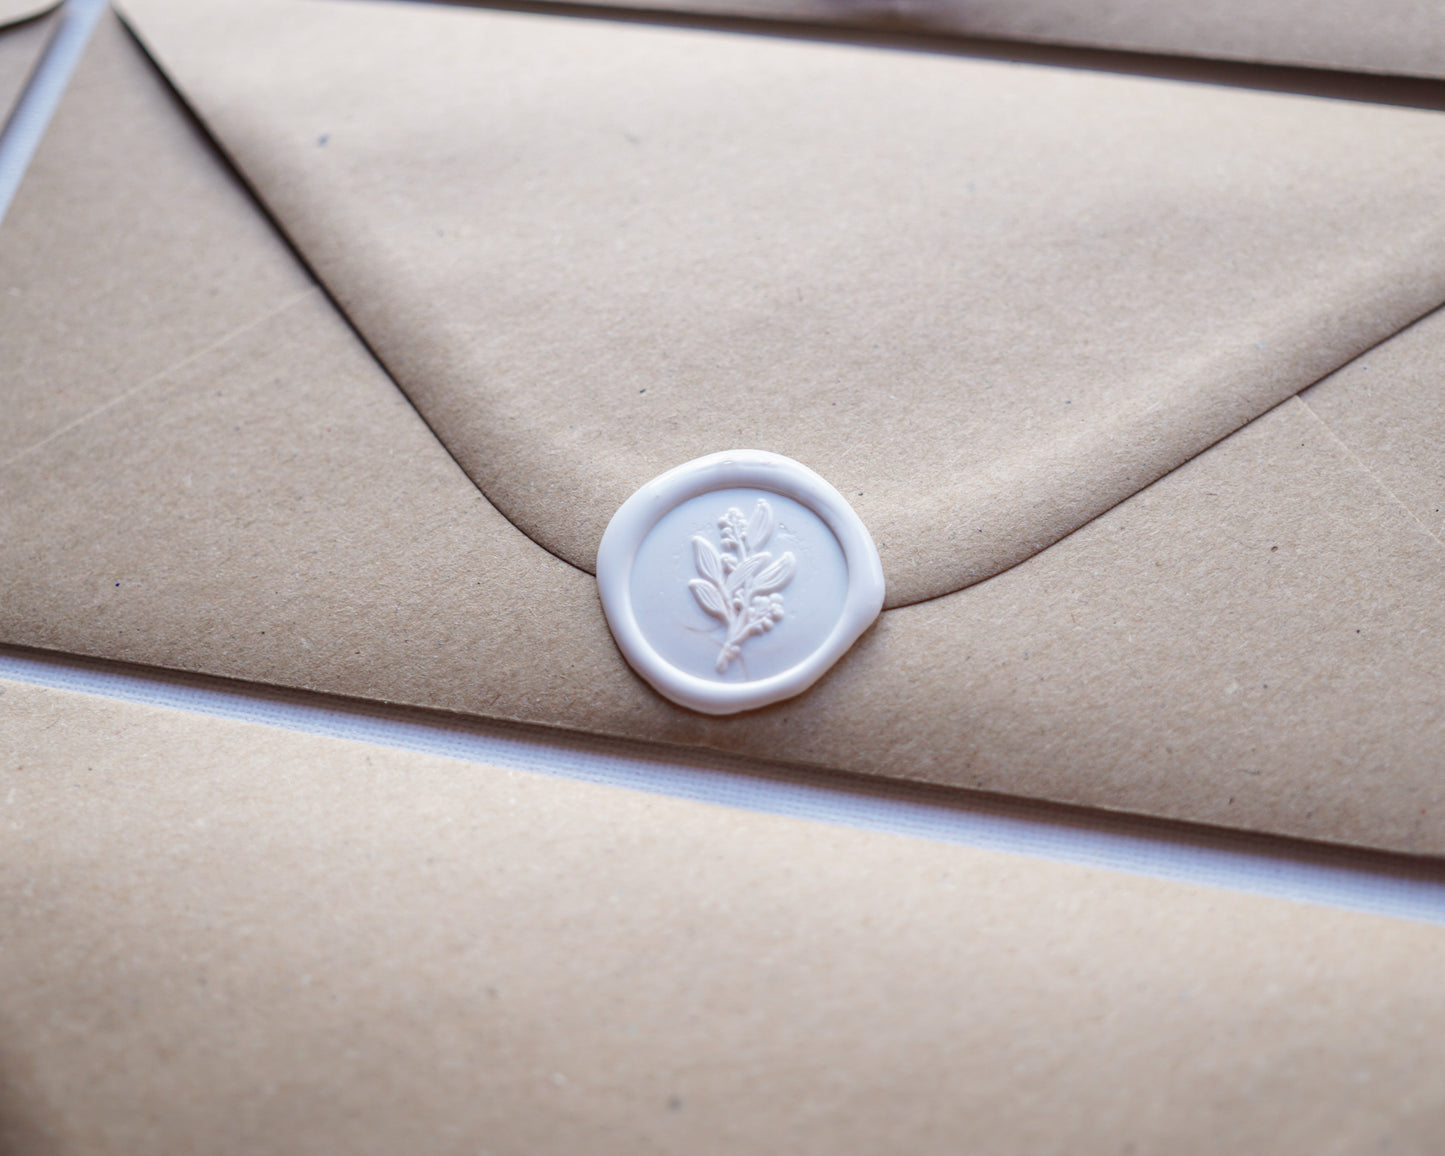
x,y
737,580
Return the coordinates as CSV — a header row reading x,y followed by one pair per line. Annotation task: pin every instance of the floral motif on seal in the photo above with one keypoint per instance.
x,y
739,585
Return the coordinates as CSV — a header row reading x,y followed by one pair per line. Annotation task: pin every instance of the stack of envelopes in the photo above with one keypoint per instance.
x,y
334,333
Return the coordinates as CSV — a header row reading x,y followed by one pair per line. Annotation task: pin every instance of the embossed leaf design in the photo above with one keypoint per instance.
x,y
739,587
708,598
709,564
776,576
760,526
746,569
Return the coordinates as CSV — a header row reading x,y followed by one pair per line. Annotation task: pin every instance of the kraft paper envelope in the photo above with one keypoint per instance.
x,y
1046,328
24,27
1400,37
224,938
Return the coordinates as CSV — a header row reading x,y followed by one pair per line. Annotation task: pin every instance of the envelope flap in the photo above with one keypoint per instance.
x,y
987,301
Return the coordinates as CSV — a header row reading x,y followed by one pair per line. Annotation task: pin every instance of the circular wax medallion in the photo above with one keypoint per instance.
x,y
737,580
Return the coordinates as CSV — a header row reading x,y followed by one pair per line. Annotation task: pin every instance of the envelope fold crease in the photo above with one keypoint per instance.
x,y
169,371
60,300
1379,481
1386,409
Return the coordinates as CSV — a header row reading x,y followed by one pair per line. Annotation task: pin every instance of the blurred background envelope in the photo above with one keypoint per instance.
x,y
1048,329
1400,37
296,943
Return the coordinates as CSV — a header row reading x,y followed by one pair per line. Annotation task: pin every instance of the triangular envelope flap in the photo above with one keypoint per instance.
x,y
987,301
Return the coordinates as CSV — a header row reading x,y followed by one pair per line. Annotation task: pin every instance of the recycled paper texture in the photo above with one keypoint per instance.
x,y
226,938
220,477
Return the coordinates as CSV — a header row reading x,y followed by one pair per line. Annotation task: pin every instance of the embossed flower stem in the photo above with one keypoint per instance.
x,y
740,586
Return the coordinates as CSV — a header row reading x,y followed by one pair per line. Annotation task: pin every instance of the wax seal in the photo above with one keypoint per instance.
x,y
737,580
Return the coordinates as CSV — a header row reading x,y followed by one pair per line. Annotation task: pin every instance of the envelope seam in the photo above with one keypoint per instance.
x,y
289,303
1354,457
